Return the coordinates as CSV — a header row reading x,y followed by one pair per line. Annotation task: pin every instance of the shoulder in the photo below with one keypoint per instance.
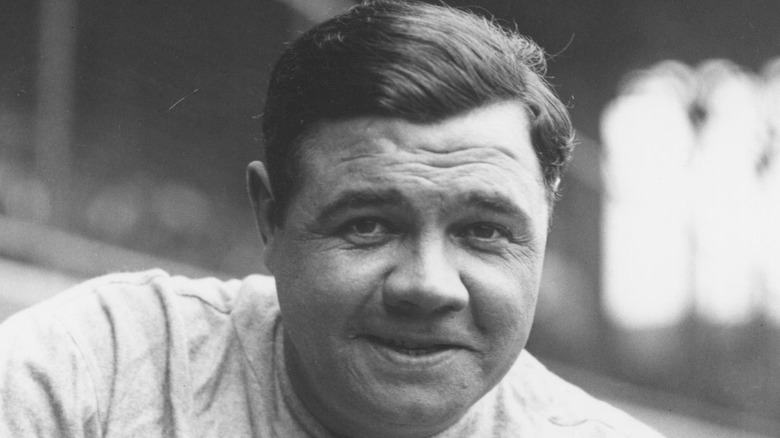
x,y
136,311
146,295
563,406
107,340
84,309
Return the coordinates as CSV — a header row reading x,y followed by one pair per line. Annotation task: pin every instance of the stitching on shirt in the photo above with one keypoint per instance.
x,y
132,278
563,423
91,287
221,309
88,367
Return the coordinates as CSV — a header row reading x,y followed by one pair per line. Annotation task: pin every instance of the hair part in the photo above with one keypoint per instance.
x,y
409,60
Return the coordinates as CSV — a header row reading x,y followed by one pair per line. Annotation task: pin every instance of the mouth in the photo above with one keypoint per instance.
x,y
411,348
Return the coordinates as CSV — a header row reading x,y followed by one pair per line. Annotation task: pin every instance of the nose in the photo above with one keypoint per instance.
x,y
425,280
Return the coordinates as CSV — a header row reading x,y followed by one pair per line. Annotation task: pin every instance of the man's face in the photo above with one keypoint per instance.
x,y
408,266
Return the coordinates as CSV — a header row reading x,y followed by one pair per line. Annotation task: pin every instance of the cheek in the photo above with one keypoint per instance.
x,y
325,288
503,303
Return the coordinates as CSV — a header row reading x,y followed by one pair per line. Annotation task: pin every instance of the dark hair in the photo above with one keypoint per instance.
x,y
410,60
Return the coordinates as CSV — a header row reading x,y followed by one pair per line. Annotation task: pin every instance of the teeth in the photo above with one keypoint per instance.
x,y
411,348
413,352
406,344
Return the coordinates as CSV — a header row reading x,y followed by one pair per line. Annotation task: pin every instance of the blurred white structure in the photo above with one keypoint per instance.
x,y
726,192
692,197
770,195
647,143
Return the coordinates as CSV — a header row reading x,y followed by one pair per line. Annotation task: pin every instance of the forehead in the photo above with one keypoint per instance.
x,y
500,127
487,150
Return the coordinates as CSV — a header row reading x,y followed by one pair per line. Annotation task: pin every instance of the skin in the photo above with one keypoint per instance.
x,y
407,266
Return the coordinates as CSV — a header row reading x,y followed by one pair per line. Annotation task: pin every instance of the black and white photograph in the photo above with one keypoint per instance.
x,y
389,219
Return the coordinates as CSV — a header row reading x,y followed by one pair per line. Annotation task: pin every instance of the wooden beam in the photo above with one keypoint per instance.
x,y
55,89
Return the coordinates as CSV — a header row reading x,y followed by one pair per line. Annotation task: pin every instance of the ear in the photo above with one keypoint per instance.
x,y
263,203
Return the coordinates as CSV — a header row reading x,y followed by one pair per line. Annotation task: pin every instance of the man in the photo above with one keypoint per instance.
x,y
413,154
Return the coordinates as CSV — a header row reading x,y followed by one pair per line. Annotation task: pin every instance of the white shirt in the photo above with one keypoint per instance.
x,y
150,355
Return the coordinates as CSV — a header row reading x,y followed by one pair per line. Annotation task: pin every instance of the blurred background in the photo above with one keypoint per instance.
x,y
125,129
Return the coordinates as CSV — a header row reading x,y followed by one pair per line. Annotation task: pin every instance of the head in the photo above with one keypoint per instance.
x,y
413,155
409,60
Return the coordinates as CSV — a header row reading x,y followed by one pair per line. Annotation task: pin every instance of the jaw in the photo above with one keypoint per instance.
x,y
389,395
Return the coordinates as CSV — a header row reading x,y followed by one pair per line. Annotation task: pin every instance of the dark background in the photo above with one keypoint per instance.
x,y
135,60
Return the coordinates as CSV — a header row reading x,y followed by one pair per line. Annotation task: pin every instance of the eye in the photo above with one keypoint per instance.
x,y
485,231
486,236
366,226
366,231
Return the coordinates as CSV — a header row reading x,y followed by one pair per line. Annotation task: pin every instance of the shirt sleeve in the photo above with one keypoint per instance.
x,y
45,385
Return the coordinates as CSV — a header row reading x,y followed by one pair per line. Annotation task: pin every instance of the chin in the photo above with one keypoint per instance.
x,y
418,411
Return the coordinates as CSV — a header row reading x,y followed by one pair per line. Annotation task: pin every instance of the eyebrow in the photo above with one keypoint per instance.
x,y
355,199
373,198
496,203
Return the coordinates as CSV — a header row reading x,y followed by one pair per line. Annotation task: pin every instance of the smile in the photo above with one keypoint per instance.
x,y
409,352
410,348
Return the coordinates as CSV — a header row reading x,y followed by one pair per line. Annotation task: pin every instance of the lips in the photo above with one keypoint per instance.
x,y
411,347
